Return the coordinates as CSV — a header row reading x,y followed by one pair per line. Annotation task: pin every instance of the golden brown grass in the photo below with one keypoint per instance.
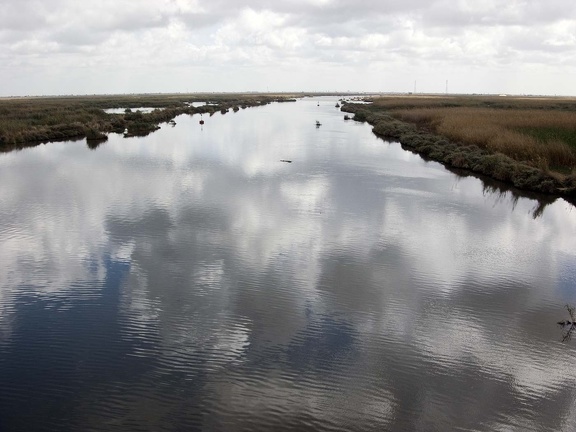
x,y
541,137
532,147
556,103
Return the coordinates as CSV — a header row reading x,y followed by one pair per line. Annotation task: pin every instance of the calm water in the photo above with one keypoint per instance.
x,y
190,281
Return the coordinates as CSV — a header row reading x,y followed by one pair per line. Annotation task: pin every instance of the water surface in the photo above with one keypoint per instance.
x,y
133,110
190,280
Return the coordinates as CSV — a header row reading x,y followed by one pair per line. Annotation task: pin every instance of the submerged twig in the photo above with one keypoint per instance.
x,y
568,326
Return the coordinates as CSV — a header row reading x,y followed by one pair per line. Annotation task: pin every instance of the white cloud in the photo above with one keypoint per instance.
x,y
306,40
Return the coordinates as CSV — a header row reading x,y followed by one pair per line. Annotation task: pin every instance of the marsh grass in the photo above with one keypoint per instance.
x,y
526,143
544,134
472,101
542,138
30,121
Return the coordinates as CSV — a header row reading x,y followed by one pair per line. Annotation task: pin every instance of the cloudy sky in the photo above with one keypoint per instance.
x,y
110,46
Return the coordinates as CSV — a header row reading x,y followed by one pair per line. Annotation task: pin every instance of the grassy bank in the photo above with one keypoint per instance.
x,y
543,138
30,121
527,142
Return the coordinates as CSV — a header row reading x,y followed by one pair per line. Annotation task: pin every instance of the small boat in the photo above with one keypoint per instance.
x,y
337,105
318,123
201,122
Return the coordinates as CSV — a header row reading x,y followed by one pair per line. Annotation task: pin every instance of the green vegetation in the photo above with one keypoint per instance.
x,y
30,121
547,134
527,142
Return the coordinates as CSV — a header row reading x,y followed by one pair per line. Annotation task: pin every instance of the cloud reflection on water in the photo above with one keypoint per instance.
x,y
356,287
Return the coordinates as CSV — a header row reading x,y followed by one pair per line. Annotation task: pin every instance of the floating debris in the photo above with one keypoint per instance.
x,y
285,160
568,326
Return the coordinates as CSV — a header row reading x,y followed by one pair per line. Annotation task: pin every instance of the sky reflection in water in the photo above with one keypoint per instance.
x,y
190,279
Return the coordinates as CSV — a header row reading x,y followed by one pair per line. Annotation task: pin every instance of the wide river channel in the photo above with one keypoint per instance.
x,y
192,281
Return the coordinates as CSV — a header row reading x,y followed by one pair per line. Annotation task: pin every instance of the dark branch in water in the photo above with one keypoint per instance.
x,y
571,311
568,327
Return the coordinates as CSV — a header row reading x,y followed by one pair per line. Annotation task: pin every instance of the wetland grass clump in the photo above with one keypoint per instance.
x,y
528,143
93,134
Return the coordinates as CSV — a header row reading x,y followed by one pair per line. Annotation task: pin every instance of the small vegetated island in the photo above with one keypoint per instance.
x,y
529,142
29,121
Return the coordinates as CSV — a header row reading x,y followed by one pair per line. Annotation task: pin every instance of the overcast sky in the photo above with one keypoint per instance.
x,y
126,46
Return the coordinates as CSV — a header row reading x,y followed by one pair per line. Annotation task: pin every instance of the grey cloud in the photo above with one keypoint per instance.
x,y
22,16
369,16
224,34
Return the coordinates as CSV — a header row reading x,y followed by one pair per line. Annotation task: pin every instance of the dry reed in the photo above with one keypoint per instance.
x,y
513,132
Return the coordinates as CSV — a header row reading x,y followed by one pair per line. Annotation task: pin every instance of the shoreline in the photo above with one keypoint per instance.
x,y
461,156
28,122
